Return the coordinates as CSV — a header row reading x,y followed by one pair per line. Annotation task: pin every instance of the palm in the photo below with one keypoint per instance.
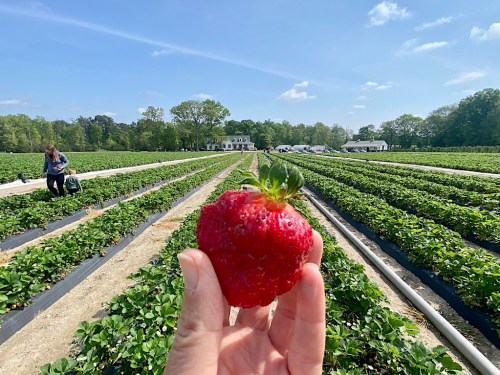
x,y
289,342
249,352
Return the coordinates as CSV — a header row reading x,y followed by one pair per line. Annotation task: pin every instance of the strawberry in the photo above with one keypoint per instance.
x,y
255,240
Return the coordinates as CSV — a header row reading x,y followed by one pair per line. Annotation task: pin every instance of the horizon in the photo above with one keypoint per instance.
x,y
330,62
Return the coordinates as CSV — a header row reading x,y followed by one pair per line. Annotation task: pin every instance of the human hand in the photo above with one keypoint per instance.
x,y
58,167
44,175
291,342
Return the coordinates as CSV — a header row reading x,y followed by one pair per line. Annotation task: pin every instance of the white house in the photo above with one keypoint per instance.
x,y
233,142
373,145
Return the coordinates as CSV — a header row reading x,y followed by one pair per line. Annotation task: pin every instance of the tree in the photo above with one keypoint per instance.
x,y
338,136
366,133
154,114
436,123
150,129
407,127
389,133
201,116
8,138
467,126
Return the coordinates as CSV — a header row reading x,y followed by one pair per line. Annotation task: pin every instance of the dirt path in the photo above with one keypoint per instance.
x,y
398,302
48,337
17,187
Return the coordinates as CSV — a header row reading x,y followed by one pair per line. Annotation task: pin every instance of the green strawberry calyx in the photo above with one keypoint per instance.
x,y
276,181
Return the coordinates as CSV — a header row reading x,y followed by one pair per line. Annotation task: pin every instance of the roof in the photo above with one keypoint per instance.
x,y
238,138
364,143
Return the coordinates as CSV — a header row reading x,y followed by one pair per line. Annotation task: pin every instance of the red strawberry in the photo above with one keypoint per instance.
x,y
256,241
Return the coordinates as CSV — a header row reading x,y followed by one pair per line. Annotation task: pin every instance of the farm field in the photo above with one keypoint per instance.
x,y
370,328
480,162
30,165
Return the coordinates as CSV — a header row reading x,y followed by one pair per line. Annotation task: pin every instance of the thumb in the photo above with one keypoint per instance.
x,y
195,349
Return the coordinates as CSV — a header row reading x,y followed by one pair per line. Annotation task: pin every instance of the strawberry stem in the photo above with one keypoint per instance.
x,y
276,181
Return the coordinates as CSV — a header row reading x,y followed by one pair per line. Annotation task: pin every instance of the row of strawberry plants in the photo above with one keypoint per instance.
x,y
362,336
473,272
472,183
141,321
468,221
34,269
460,196
481,162
30,165
21,212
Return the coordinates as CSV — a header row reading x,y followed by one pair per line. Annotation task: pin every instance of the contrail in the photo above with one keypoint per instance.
x,y
136,38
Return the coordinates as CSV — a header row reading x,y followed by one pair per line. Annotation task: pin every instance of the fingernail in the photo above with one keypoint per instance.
x,y
189,271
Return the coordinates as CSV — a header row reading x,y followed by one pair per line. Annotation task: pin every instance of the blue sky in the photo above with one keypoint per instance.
x,y
336,61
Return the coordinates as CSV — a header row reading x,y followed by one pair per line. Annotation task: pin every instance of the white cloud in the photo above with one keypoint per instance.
x,y
362,97
438,22
162,52
109,114
11,102
466,77
430,46
374,85
141,110
386,11
295,95
410,46
359,106
301,84
493,32
387,86
202,96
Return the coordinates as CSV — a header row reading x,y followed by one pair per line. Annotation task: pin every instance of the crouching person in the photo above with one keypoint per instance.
x,y
72,182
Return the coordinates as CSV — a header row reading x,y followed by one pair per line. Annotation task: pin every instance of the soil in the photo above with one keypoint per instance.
x,y
49,336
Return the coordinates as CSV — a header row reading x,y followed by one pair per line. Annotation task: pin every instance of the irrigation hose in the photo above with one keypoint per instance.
x,y
477,359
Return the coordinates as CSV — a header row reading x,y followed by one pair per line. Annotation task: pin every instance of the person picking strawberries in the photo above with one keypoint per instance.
x,y
253,247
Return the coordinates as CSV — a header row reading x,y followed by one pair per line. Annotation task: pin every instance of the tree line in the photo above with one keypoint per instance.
x,y
474,121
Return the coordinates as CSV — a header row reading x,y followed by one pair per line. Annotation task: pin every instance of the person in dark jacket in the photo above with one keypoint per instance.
x,y
53,168
72,182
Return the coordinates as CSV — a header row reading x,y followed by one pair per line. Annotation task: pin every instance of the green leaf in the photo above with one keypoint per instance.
x,y
277,175
295,181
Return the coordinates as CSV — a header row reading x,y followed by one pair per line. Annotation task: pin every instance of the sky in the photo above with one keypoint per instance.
x,y
346,62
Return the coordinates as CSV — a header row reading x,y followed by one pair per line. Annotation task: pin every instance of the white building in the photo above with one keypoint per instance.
x,y
283,147
373,145
318,148
300,147
233,142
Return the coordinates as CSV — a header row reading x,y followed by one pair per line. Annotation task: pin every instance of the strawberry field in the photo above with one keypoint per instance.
x,y
447,223
30,165
481,162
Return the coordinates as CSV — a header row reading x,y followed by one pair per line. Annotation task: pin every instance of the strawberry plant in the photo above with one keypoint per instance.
x,y
34,268
127,343
473,272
